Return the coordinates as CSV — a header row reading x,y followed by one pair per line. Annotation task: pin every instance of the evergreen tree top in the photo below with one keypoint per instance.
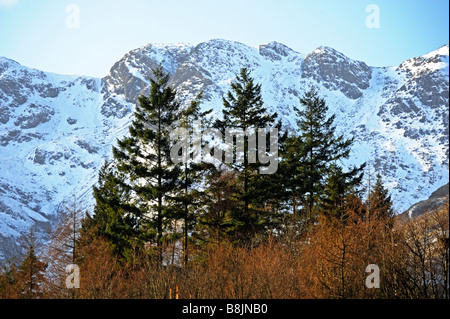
x,y
243,106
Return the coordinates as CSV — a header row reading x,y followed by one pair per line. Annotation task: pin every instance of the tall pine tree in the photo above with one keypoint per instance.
x,y
144,158
192,172
244,110
313,157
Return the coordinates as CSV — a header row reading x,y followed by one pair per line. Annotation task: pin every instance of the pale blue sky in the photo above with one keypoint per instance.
x,y
35,33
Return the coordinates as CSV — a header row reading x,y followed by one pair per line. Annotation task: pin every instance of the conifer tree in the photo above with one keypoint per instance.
x,y
379,201
334,191
114,217
289,173
30,276
192,171
318,149
338,186
269,191
244,110
144,158
216,223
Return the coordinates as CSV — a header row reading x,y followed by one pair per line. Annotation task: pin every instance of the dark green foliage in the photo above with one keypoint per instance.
x,y
338,186
30,275
311,157
144,158
335,190
289,172
243,109
243,106
216,222
114,218
379,201
189,198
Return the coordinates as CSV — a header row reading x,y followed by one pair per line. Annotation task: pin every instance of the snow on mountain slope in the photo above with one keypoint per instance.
x,y
47,129
56,130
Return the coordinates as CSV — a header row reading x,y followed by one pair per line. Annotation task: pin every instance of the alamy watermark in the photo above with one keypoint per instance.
x,y
73,276
373,19
73,17
373,280
209,146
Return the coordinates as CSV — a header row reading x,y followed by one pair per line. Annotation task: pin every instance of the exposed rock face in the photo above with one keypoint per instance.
x,y
275,51
130,76
56,130
337,72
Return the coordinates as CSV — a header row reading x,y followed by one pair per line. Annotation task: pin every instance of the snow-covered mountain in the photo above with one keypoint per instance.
x,y
56,130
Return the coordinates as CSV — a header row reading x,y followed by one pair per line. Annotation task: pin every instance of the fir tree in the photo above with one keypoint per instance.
x,y
216,221
144,158
30,276
334,191
379,201
244,110
339,185
318,148
289,173
269,191
192,171
114,217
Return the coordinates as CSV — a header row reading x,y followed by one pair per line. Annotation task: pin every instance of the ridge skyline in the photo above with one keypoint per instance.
x,y
193,45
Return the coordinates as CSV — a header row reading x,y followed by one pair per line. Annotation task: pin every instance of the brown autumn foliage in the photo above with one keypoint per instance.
x,y
338,250
412,257
27,279
327,261
219,271
60,251
423,247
